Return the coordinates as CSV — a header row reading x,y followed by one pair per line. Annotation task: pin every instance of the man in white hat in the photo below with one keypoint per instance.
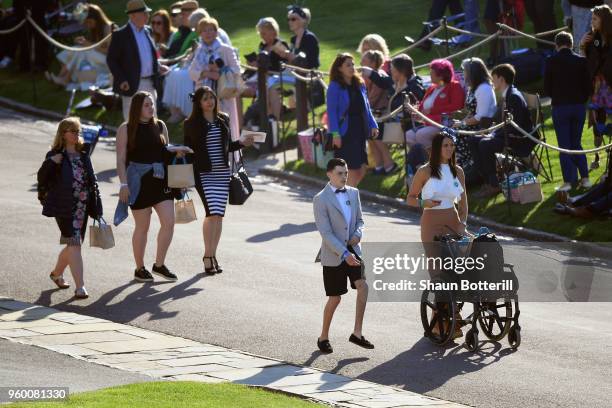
x,y
132,58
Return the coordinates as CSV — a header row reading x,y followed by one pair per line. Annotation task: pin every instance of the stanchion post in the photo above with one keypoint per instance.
x,y
262,98
301,102
444,22
507,155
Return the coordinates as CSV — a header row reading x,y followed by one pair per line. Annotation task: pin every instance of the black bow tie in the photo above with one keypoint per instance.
x,y
341,190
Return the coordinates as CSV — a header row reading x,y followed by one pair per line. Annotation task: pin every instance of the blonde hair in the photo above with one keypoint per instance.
x,y
374,42
269,23
207,21
69,123
196,16
306,13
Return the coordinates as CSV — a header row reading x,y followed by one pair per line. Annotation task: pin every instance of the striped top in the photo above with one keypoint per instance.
x,y
214,145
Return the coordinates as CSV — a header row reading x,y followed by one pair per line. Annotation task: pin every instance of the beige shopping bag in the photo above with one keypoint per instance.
x,y
180,175
184,211
101,235
393,133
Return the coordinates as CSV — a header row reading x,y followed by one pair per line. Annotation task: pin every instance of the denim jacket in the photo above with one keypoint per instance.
x,y
135,171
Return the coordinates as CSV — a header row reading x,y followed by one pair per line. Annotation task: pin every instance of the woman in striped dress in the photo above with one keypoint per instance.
x,y
207,132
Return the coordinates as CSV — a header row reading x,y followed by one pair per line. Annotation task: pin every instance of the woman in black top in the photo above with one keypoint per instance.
x,y
207,132
304,41
141,155
68,190
596,46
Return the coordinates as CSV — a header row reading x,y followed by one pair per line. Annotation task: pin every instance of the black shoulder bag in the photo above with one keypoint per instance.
x,y
240,188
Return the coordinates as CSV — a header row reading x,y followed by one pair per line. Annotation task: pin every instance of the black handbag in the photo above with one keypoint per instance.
x,y
240,188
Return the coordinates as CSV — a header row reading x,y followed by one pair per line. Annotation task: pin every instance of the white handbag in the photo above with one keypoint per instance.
x,y
393,132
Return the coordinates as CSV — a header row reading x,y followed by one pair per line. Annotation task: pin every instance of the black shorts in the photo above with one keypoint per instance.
x,y
334,278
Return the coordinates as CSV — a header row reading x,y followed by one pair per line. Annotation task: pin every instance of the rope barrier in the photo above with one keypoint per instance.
x,y
13,29
419,42
252,68
305,70
65,47
504,37
461,132
559,149
520,33
388,115
465,51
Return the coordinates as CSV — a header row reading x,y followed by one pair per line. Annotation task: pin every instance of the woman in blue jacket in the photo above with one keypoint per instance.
x,y
350,118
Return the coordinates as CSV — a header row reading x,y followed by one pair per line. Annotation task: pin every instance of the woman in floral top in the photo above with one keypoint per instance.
x,y
68,191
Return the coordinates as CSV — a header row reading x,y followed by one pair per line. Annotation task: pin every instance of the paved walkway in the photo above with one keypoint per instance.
x,y
167,357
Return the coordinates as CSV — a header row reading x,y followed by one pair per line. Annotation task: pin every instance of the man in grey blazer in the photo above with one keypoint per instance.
x,y
337,211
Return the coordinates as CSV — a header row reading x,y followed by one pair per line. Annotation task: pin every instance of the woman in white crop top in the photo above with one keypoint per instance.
x,y
441,185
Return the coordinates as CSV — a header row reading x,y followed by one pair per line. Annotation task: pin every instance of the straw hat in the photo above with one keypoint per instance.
x,y
137,6
189,5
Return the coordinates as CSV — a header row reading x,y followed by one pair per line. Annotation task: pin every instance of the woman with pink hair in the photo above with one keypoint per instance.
x,y
445,95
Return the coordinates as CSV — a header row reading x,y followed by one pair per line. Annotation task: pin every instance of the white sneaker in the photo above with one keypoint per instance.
x,y
586,183
564,187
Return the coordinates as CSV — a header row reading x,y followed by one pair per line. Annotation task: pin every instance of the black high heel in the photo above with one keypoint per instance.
x,y
216,263
212,270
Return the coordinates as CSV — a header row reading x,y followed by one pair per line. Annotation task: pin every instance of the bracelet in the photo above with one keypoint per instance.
x,y
123,185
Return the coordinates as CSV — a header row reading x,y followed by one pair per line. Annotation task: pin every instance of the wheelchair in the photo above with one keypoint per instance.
x,y
497,314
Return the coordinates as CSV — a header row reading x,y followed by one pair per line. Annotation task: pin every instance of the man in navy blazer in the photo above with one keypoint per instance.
x,y
568,106
132,58
484,148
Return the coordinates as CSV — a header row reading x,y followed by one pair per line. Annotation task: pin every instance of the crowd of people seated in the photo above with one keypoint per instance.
x,y
171,53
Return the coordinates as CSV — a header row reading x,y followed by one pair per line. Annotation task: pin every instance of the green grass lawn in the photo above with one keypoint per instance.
x,y
339,25
177,394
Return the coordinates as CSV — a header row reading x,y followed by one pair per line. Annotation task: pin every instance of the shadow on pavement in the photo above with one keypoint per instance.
x,y
426,367
284,230
146,299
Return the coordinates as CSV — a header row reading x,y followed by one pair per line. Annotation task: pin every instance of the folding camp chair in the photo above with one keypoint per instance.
x,y
535,161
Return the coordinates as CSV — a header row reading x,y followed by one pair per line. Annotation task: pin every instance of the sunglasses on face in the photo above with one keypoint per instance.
x,y
292,19
72,131
156,22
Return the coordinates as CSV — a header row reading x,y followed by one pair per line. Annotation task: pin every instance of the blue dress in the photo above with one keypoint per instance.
x,y
353,148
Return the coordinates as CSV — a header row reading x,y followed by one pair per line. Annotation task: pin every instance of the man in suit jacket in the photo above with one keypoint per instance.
x,y
484,148
132,58
568,106
337,211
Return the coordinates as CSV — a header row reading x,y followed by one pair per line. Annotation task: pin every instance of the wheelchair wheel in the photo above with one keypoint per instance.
x,y
438,316
495,318
514,337
471,340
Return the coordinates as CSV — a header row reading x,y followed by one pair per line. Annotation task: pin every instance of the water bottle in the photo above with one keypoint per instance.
x,y
483,231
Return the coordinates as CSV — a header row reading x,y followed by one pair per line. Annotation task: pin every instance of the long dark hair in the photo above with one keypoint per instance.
x,y
166,26
197,113
436,155
476,72
605,15
134,119
96,14
336,75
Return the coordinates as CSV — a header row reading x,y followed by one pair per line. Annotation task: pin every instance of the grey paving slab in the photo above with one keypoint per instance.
x,y
78,338
197,377
139,345
253,363
72,350
139,366
65,328
314,388
145,334
165,372
13,333
192,361
27,324
31,313
262,376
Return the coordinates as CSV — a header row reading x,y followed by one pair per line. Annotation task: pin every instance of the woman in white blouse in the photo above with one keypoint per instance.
x,y
441,185
480,105
211,57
